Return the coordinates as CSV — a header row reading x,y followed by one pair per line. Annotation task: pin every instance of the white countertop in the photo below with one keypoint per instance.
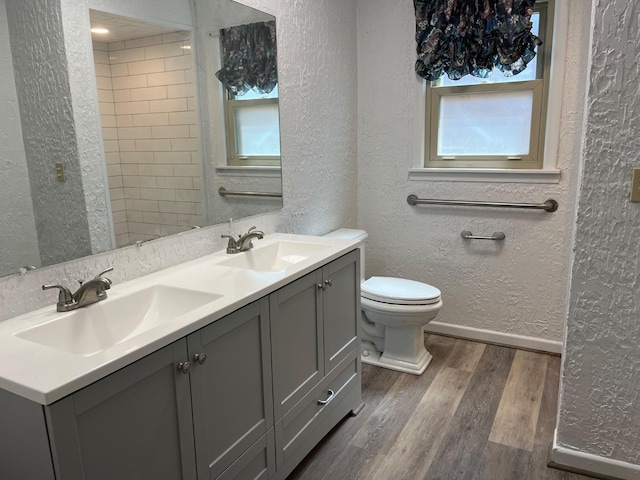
x,y
45,374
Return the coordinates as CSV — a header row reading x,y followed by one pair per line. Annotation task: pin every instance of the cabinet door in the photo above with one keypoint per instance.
x,y
341,306
135,424
231,391
296,336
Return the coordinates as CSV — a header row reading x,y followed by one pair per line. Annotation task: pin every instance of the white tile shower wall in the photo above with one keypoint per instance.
x,y
110,138
157,131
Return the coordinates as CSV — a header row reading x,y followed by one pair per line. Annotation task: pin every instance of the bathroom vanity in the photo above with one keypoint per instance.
x,y
231,367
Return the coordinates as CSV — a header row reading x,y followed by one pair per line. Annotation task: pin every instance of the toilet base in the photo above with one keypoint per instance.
x,y
381,360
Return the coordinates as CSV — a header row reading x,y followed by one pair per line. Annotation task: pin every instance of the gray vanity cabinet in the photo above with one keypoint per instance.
x,y
232,394
134,424
316,364
141,422
245,397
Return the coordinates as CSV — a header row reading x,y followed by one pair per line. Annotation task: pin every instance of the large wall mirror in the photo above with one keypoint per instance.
x,y
126,134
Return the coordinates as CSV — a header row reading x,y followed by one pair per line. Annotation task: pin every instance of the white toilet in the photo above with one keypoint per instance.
x,y
394,313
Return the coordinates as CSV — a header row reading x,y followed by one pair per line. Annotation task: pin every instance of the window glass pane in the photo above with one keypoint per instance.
x,y
251,95
497,77
257,130
485,124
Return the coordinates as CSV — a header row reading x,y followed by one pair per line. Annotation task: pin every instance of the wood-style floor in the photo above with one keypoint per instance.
x,y
478,412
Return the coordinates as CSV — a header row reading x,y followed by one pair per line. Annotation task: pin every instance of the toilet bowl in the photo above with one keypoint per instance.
x,y
394,313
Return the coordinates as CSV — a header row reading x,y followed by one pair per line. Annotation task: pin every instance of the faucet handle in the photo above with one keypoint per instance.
x,y
110,269
232,245
253,230
64,296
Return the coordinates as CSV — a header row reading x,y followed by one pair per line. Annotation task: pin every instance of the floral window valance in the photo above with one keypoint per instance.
x,y
249,58
462,37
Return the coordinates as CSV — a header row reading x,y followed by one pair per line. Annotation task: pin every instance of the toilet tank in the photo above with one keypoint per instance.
x,y
353,234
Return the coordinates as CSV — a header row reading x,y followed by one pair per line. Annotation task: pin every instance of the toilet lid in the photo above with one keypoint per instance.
x,y
399,291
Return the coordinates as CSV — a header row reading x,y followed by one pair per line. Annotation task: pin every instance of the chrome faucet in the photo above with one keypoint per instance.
x,y
243,242
91,291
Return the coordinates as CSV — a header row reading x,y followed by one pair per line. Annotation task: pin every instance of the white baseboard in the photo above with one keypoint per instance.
x,y
499,338
602,467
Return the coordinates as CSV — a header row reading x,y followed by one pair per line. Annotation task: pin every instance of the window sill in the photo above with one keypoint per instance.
x,y
249,171
486,175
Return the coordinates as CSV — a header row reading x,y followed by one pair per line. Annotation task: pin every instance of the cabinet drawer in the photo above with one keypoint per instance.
x,y
257,463
292,431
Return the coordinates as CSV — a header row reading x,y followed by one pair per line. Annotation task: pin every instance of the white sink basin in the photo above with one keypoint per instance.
x,y
95,328
274,257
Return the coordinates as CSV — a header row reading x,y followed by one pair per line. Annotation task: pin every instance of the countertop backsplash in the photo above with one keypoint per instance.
x,y
20,294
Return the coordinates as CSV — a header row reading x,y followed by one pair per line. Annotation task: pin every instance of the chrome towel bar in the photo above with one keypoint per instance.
x,y
467,235
223,192
548,206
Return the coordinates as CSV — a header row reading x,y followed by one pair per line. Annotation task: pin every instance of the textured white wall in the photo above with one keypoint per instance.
x,y
38,49
84,96
19,241
599,406
514,287
317,61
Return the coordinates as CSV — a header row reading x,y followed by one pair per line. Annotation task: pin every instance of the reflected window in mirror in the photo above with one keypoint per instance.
x,y
253,134
249,77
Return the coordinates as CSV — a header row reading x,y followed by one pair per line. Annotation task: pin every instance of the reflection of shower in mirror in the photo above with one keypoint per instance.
x,y
150,130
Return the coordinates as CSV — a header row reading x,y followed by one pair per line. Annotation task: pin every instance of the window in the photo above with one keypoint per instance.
x,y
496,122
252,125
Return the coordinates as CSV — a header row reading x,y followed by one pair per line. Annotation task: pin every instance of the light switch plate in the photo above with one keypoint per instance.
x,y
635,185
60,175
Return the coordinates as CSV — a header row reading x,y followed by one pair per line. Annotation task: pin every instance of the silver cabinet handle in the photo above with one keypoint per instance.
x,y
467,235
184,367
329,398
200,358
325,284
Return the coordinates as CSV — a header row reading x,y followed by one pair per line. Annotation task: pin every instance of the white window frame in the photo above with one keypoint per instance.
x,y
546,170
